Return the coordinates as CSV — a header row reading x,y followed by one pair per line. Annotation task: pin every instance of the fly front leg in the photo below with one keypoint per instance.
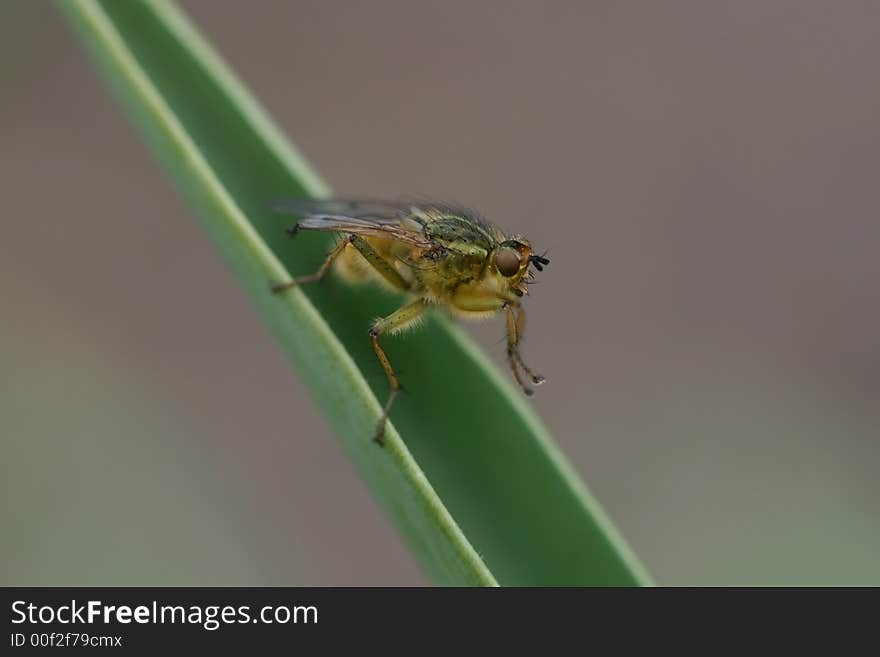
x,y
396,321
516,318
471,300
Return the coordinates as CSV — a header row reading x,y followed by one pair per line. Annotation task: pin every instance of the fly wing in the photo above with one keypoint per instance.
x,y
363,209
403,229
369,218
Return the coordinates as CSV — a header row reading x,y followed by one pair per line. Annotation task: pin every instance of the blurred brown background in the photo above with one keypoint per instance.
x,y
704,175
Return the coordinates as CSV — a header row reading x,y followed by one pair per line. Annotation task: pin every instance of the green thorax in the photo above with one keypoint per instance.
x,y
463,242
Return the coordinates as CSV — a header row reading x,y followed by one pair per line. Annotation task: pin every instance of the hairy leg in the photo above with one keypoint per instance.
x,y
321,273
376,261
516,318
391,324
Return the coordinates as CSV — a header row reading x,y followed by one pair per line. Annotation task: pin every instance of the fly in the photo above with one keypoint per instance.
x,y
436,253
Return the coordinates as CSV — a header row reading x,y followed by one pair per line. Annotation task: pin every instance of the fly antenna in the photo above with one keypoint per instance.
x,y
539,261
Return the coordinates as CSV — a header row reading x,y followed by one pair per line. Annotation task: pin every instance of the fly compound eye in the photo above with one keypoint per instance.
x,y
507,261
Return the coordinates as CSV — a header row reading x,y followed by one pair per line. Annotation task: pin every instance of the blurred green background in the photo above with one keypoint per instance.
x,y
703,175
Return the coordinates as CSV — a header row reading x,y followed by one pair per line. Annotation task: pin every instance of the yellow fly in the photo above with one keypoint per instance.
x,y
437,254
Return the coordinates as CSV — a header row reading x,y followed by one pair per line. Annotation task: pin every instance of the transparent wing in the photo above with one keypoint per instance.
x,y
363,209
371,218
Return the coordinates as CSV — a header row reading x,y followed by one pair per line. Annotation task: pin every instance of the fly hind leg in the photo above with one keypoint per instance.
x,y
322,272
372,257
393,323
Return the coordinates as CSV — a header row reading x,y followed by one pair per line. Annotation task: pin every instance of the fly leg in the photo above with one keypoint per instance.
x,y
393,323
516,318
380,264
375,260
322,272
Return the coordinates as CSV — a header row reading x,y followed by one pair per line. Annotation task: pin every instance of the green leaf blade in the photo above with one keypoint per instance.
x,y
506,491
